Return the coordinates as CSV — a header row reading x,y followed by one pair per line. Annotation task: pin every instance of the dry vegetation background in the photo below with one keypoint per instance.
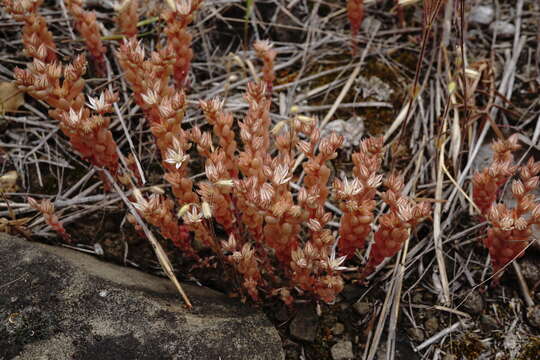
x,y
439,87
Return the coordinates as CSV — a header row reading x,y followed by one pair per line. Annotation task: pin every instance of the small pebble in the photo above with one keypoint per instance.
x,y
305,324
474,302
417,298
342,351
416,334
530,270
362,308
338,329
533,314
488,321
351,292
98,249
432,325
503,29
482,15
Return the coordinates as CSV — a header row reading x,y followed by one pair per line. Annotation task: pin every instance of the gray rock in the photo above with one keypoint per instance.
x,y
416,334
57,303
305,324
351,130
474,302
533,314
531,270
503,29
432,325
338,329
342,351
362,308
482,15
488,322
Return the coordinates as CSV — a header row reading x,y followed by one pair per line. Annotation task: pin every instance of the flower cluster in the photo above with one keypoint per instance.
x,y
357,196
395,226
487,183
510,229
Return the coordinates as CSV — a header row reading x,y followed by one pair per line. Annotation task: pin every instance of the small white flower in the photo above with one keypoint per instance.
x,y
206,210
314,225
74,117
335,263
281,173
225,183
405,211
351,188
192,216
151,97
176,157
98,104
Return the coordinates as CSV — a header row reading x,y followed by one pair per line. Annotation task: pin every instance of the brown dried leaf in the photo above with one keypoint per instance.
x,y
11,98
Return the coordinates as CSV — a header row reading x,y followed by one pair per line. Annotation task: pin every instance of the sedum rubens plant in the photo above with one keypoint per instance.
x,y
177,18
510,229
396,224
357,197
127,18
264,51
61,87
36,37
247,193
355,13
86,126
279,240
87,25
46,208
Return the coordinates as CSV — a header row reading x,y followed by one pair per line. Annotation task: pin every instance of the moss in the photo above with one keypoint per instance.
x,y
530,350
468,346
20,329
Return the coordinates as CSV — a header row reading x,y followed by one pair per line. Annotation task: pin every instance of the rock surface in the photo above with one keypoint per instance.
x,y
305,324
342,351
56,303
